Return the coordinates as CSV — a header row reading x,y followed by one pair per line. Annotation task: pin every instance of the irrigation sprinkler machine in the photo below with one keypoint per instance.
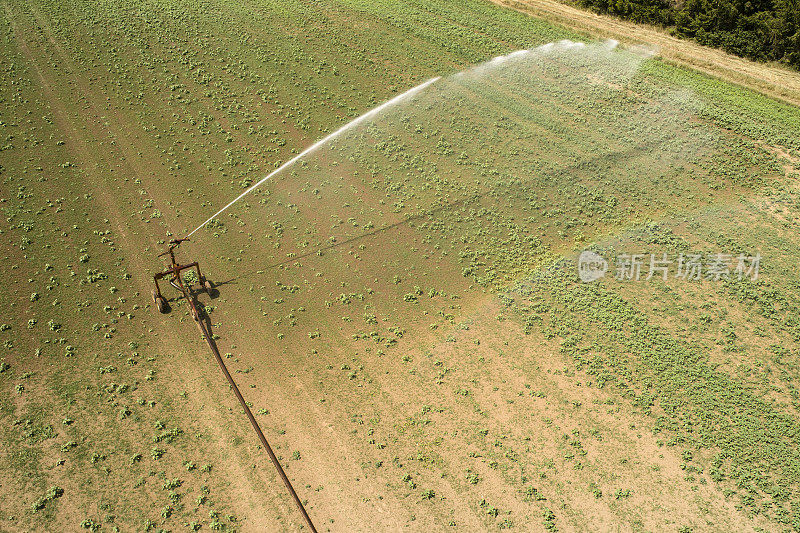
x,y
184,284
179,282
173,273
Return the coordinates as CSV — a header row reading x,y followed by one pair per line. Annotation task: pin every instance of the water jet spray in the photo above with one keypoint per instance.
x,y
369,114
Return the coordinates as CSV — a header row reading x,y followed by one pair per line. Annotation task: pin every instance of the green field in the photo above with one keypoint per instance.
x,y
401,309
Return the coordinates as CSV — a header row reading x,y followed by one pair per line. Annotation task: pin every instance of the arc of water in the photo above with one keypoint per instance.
x,y
319,143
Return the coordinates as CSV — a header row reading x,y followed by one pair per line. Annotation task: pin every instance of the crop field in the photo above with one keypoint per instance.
x,y
401,309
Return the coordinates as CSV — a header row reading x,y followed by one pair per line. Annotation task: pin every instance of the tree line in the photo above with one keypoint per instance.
x,y
764,30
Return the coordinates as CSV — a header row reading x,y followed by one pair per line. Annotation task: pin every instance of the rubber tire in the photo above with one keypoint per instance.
x,y
161,303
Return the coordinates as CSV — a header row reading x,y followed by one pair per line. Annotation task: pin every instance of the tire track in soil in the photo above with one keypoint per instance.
x,y
384,396
331,451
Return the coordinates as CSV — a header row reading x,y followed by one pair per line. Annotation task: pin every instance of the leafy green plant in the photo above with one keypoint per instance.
x,y
52,494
